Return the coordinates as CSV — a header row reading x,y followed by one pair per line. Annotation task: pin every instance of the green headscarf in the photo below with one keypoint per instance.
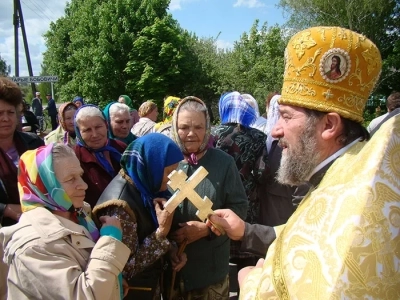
x,y
128,100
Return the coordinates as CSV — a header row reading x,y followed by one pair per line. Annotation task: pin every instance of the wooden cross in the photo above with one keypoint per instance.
x,y
185,189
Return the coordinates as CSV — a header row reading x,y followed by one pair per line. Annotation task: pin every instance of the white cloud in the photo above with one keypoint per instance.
x,y
37,18
175,5
248,3
223,45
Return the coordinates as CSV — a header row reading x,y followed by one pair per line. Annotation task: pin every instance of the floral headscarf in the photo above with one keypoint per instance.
x,y
170,104
191,157
39,187
234,109
106,111
144,161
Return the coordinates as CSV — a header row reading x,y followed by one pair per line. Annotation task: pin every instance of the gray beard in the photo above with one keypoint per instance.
x,y
298,163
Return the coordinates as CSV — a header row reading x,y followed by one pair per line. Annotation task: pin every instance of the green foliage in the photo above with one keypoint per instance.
x,y
102,49
257,62
4,68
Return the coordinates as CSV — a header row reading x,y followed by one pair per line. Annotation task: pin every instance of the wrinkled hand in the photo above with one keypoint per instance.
x,y
178,261
245,271
190,231
163,216
229,221
125,287
110,221
13,211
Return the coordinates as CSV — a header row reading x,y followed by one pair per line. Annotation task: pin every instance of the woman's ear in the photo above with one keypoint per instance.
x,y
332,126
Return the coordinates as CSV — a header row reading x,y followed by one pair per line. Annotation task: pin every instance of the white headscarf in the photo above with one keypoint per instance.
x,y
250,100
272,118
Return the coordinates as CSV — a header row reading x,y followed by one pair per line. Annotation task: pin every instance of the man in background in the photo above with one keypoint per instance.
x,y
37,109
52,111
392,102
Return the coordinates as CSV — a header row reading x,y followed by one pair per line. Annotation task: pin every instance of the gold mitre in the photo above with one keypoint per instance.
x,y
330,69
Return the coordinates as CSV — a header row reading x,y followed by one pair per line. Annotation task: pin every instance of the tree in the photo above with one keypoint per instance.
x,y
129,47
5,69
257,62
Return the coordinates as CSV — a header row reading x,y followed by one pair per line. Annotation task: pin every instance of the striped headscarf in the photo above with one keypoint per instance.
x,y
39,187
234,109
145,160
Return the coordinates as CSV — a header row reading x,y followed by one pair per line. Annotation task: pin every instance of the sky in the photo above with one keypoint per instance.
x,y
225,20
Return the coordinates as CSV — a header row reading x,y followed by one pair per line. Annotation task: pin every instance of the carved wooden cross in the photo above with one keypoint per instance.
x,y
185,189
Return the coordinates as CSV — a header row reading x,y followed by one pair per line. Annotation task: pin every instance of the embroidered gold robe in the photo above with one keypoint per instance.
x,y
343,241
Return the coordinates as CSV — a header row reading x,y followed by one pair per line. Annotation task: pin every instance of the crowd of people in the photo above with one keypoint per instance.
x,y
306,200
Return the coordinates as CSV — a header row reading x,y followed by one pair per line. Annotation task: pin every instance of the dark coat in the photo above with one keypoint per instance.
x,y
120,188
8,171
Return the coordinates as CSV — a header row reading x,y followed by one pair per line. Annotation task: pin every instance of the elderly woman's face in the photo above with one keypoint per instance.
x,y
69,120
69,173
93,131
8,119
121,100
167,171
191,129
120,124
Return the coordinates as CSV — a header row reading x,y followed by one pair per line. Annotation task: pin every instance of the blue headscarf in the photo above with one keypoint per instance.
x,y
144,161
129,139
234,109
78,99
98,153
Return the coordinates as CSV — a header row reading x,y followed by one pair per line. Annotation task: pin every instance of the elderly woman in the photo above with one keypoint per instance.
x,y
246,145
148,113
78,101
260,123
99,156
54,252
205,276
13,144
119,122
136,194
65,132
125,99
164,127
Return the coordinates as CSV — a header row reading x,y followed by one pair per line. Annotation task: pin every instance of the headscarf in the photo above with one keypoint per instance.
x,y
170,104
128,100
191,157
253,102
234,109
106,111
63,107
39,187
134,113
98,153
78,99
272,118
144,161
